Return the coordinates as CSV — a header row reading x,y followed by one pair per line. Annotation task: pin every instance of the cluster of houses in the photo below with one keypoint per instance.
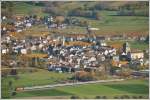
x,y
51,23
62,57
80,53
20,23
54,47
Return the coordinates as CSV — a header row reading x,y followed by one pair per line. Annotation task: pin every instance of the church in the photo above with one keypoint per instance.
x,y
131,54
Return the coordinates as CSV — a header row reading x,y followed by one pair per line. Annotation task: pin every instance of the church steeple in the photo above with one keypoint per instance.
x,y
64,41
126,47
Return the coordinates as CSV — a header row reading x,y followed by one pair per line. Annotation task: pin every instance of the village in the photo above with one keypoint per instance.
x,y
55,52
69,52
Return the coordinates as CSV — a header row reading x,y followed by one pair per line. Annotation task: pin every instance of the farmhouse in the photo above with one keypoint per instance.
x,y
4,51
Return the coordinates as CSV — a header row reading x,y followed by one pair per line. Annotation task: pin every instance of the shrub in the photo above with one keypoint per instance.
x,y
104,97
74,97
122,97
98,97
126,97
140,97
14,93
134,97
16,77
116,97
83,76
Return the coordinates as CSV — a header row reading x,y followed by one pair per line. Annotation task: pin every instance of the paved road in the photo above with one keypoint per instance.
x,y
67,84
17,68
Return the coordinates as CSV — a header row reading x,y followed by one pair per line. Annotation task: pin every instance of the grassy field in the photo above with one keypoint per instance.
x,y
129,87
139,45
26,9
110,24
41,77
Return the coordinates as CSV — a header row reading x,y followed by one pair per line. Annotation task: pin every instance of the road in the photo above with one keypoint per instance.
x,y
17,68
67,84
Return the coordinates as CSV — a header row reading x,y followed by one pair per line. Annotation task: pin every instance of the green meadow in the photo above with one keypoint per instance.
x,y
43,77
110,90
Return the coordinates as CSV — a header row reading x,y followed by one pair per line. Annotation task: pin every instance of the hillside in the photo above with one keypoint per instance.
x,y
109,23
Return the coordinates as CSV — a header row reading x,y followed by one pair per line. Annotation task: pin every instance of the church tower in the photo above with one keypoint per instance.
x,y
64,41
126,47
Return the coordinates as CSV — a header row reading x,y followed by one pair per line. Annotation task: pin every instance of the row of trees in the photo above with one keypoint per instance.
x,y
85,13
133,9
124,12
83,76
115,97
55,11
7,8
54,8
137,9
92,74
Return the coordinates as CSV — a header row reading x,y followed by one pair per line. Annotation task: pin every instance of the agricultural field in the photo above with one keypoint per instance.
x,y
128,87
25,9
139,45
39,77
110,24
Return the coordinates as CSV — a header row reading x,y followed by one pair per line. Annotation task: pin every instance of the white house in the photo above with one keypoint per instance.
x,y
45,41
106,52
28,25
92,59
85,66
77,66
4,17
79,60
4,51
19,30
23,51
8,38
103,44
33,48
40,46
17,23
4,28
